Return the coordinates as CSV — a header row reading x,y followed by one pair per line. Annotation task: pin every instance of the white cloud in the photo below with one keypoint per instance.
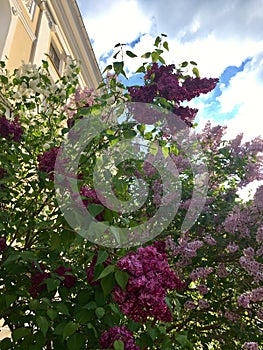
x,y
245,90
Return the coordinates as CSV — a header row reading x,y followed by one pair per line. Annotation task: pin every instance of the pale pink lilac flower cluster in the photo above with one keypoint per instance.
x,y
203,304
239,221
185,248
209,240
253,267
201,273
259,234
149,169
231,316
82,97
243,221
157,192
255,295
259,313
149,279
232,247
203,289
221,270
118,333
189,305
251,150
250,346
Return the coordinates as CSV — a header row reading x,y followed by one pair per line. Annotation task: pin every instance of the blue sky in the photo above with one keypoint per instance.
x,y
225,40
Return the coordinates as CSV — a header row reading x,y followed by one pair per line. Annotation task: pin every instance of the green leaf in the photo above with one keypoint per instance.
x,y
154,149
52,284
129,134
20,333
157,41
161,60
118,345
155,56
52,314
193,63
141,128
100,312
4,79
196,72
130,54
84,316
11,258
107,284
141,70
108,269
146,55
166,46
95,209
70,328
91,305
9,299
6,344
116,54
184,64
121,278
148,135
102,256
118,67
182,340
76,342
43,324
165,152
62,307
109,67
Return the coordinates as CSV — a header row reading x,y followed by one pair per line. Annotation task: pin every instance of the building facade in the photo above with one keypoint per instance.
x,y
51,30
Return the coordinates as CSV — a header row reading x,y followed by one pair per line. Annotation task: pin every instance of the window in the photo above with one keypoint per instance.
x,y
54,57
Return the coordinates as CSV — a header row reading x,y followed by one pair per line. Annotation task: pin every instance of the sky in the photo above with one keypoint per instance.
x,y
225,39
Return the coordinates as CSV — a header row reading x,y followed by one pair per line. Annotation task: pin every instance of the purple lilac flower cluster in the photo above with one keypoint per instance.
x,y
2,244
118,333
37,282
89,196
68,280
47,160
163,81
38,279
2,173
150,277
10,130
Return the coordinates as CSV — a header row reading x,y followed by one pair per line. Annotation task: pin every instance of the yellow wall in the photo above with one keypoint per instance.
x,y
20,48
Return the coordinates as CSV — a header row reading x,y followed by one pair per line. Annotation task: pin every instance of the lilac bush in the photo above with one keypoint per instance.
x,y
200,288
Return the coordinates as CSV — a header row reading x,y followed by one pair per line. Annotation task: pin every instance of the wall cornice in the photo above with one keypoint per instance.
x,y
70,21
16,9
